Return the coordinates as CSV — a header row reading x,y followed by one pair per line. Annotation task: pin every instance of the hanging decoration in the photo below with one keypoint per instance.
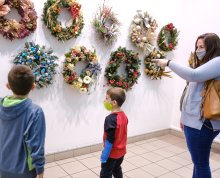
x,y
10,28
51,11
143,31
89,75
168,34
41,61
151,69
106,24
191,60
132,62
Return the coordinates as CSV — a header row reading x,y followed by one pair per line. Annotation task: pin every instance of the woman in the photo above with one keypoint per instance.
x,y
199,138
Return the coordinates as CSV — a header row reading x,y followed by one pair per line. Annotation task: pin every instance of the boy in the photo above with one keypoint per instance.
x,y
22,129
115,134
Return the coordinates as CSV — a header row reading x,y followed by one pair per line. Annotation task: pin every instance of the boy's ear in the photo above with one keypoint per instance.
x,y
33,87
8,86
115,103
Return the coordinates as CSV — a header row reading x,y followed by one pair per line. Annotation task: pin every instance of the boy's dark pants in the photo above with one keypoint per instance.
x,y
112,167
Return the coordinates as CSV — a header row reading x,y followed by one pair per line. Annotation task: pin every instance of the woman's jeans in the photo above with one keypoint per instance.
x,y
199,144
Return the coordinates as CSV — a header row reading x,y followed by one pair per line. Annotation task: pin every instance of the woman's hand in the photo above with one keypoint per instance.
x,y
182,127
161,62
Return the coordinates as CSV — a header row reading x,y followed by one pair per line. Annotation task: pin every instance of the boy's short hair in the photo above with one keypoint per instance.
x,y
117,94
21,79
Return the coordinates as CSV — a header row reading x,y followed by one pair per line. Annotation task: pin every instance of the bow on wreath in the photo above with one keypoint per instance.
x,y
4,9
145,19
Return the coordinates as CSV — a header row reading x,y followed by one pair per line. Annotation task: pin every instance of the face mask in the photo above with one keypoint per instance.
x,y
200,54
108,106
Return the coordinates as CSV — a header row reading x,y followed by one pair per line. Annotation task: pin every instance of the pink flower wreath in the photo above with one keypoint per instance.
x,y
10,28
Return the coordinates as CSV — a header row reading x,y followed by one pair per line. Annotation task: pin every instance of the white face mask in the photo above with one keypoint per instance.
x,y
200,54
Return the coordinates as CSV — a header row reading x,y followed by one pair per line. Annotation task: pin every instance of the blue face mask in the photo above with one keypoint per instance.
x,y
200,54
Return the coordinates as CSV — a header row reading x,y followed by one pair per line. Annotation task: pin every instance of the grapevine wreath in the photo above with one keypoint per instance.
x,y
151,69
40,60
10,28
89,75
51,13
132,62
168,32
106,24
143,31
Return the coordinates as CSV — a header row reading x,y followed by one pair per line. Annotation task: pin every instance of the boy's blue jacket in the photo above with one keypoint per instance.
x,y
22,137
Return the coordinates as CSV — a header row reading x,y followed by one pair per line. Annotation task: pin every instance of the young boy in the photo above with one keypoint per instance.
x,y
115,134
22,129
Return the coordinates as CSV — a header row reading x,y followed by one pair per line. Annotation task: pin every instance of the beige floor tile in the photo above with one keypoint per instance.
x,y
126,166
151,140
98,153
168,164
65,161
137,150
180,160
130,145
67,177
73,167
215,157
129,154
170,175
138,161
190,166
173,140
175,149
85,174
215,175
214,164
97,170
185,155
160,144
84,156
218,171
140,142
48,165
138,173
149,146
54,172
165,136
164,153
184,172
155,170
213,150
153,157
182,145
91,162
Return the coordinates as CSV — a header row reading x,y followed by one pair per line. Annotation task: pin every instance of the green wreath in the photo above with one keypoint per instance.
x,y
51,13
170,32
132,62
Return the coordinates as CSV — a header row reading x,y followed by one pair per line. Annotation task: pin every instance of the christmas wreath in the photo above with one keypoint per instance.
x,y
10,28
40,60
89,75
51,13
106,24
132,62
151,69
170,34
143,31
191,60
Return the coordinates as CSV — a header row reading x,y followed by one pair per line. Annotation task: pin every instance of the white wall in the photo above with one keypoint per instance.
x,y
74,119
195,18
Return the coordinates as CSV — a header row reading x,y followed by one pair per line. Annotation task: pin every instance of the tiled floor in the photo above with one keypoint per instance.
x,y
162,157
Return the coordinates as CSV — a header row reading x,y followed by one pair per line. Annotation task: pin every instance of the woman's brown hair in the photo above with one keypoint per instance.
x,y
212,47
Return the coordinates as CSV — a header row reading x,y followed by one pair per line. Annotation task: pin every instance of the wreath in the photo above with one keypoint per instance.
x,y
51,13
143,31
132,62
41,61
106,24
191,60
151,69
168,32
10,28
89,75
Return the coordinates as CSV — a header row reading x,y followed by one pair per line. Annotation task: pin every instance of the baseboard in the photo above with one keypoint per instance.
x,y
90,148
